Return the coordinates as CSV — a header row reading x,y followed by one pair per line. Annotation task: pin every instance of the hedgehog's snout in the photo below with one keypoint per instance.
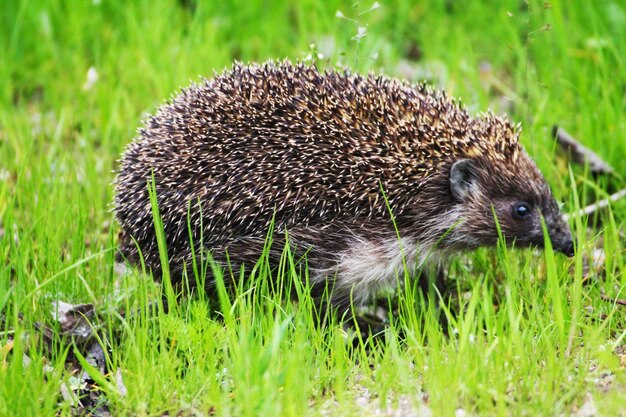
x,y
567,248
562,240
561,237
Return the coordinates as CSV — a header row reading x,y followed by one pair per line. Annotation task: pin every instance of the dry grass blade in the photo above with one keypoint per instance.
x,y
618,301
592,208
579,153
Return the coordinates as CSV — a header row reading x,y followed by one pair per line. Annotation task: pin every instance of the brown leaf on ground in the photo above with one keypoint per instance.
x,y
93,400
74,319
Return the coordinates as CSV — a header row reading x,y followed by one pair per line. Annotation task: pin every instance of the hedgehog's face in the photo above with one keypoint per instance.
x,y
518,202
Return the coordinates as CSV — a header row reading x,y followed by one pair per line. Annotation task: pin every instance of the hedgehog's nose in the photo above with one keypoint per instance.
x,y
567,247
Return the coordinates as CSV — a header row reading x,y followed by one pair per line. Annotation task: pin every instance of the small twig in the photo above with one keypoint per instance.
x,y
579,153
605,297
592,208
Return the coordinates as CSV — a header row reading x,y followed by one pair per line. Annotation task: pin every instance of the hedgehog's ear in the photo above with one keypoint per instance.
x,y
462,179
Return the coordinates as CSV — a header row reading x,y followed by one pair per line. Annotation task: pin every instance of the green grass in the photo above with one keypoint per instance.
x,y
527,333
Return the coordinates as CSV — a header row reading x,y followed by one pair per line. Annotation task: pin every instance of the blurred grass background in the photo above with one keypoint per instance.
x,y
77,77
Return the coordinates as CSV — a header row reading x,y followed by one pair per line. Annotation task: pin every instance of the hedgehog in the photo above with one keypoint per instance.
x,y
363,177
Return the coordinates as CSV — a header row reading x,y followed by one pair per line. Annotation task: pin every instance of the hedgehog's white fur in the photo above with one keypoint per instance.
x,y
368,265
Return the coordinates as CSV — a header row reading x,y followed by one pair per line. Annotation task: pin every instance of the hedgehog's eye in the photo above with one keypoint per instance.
x,y
521,210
